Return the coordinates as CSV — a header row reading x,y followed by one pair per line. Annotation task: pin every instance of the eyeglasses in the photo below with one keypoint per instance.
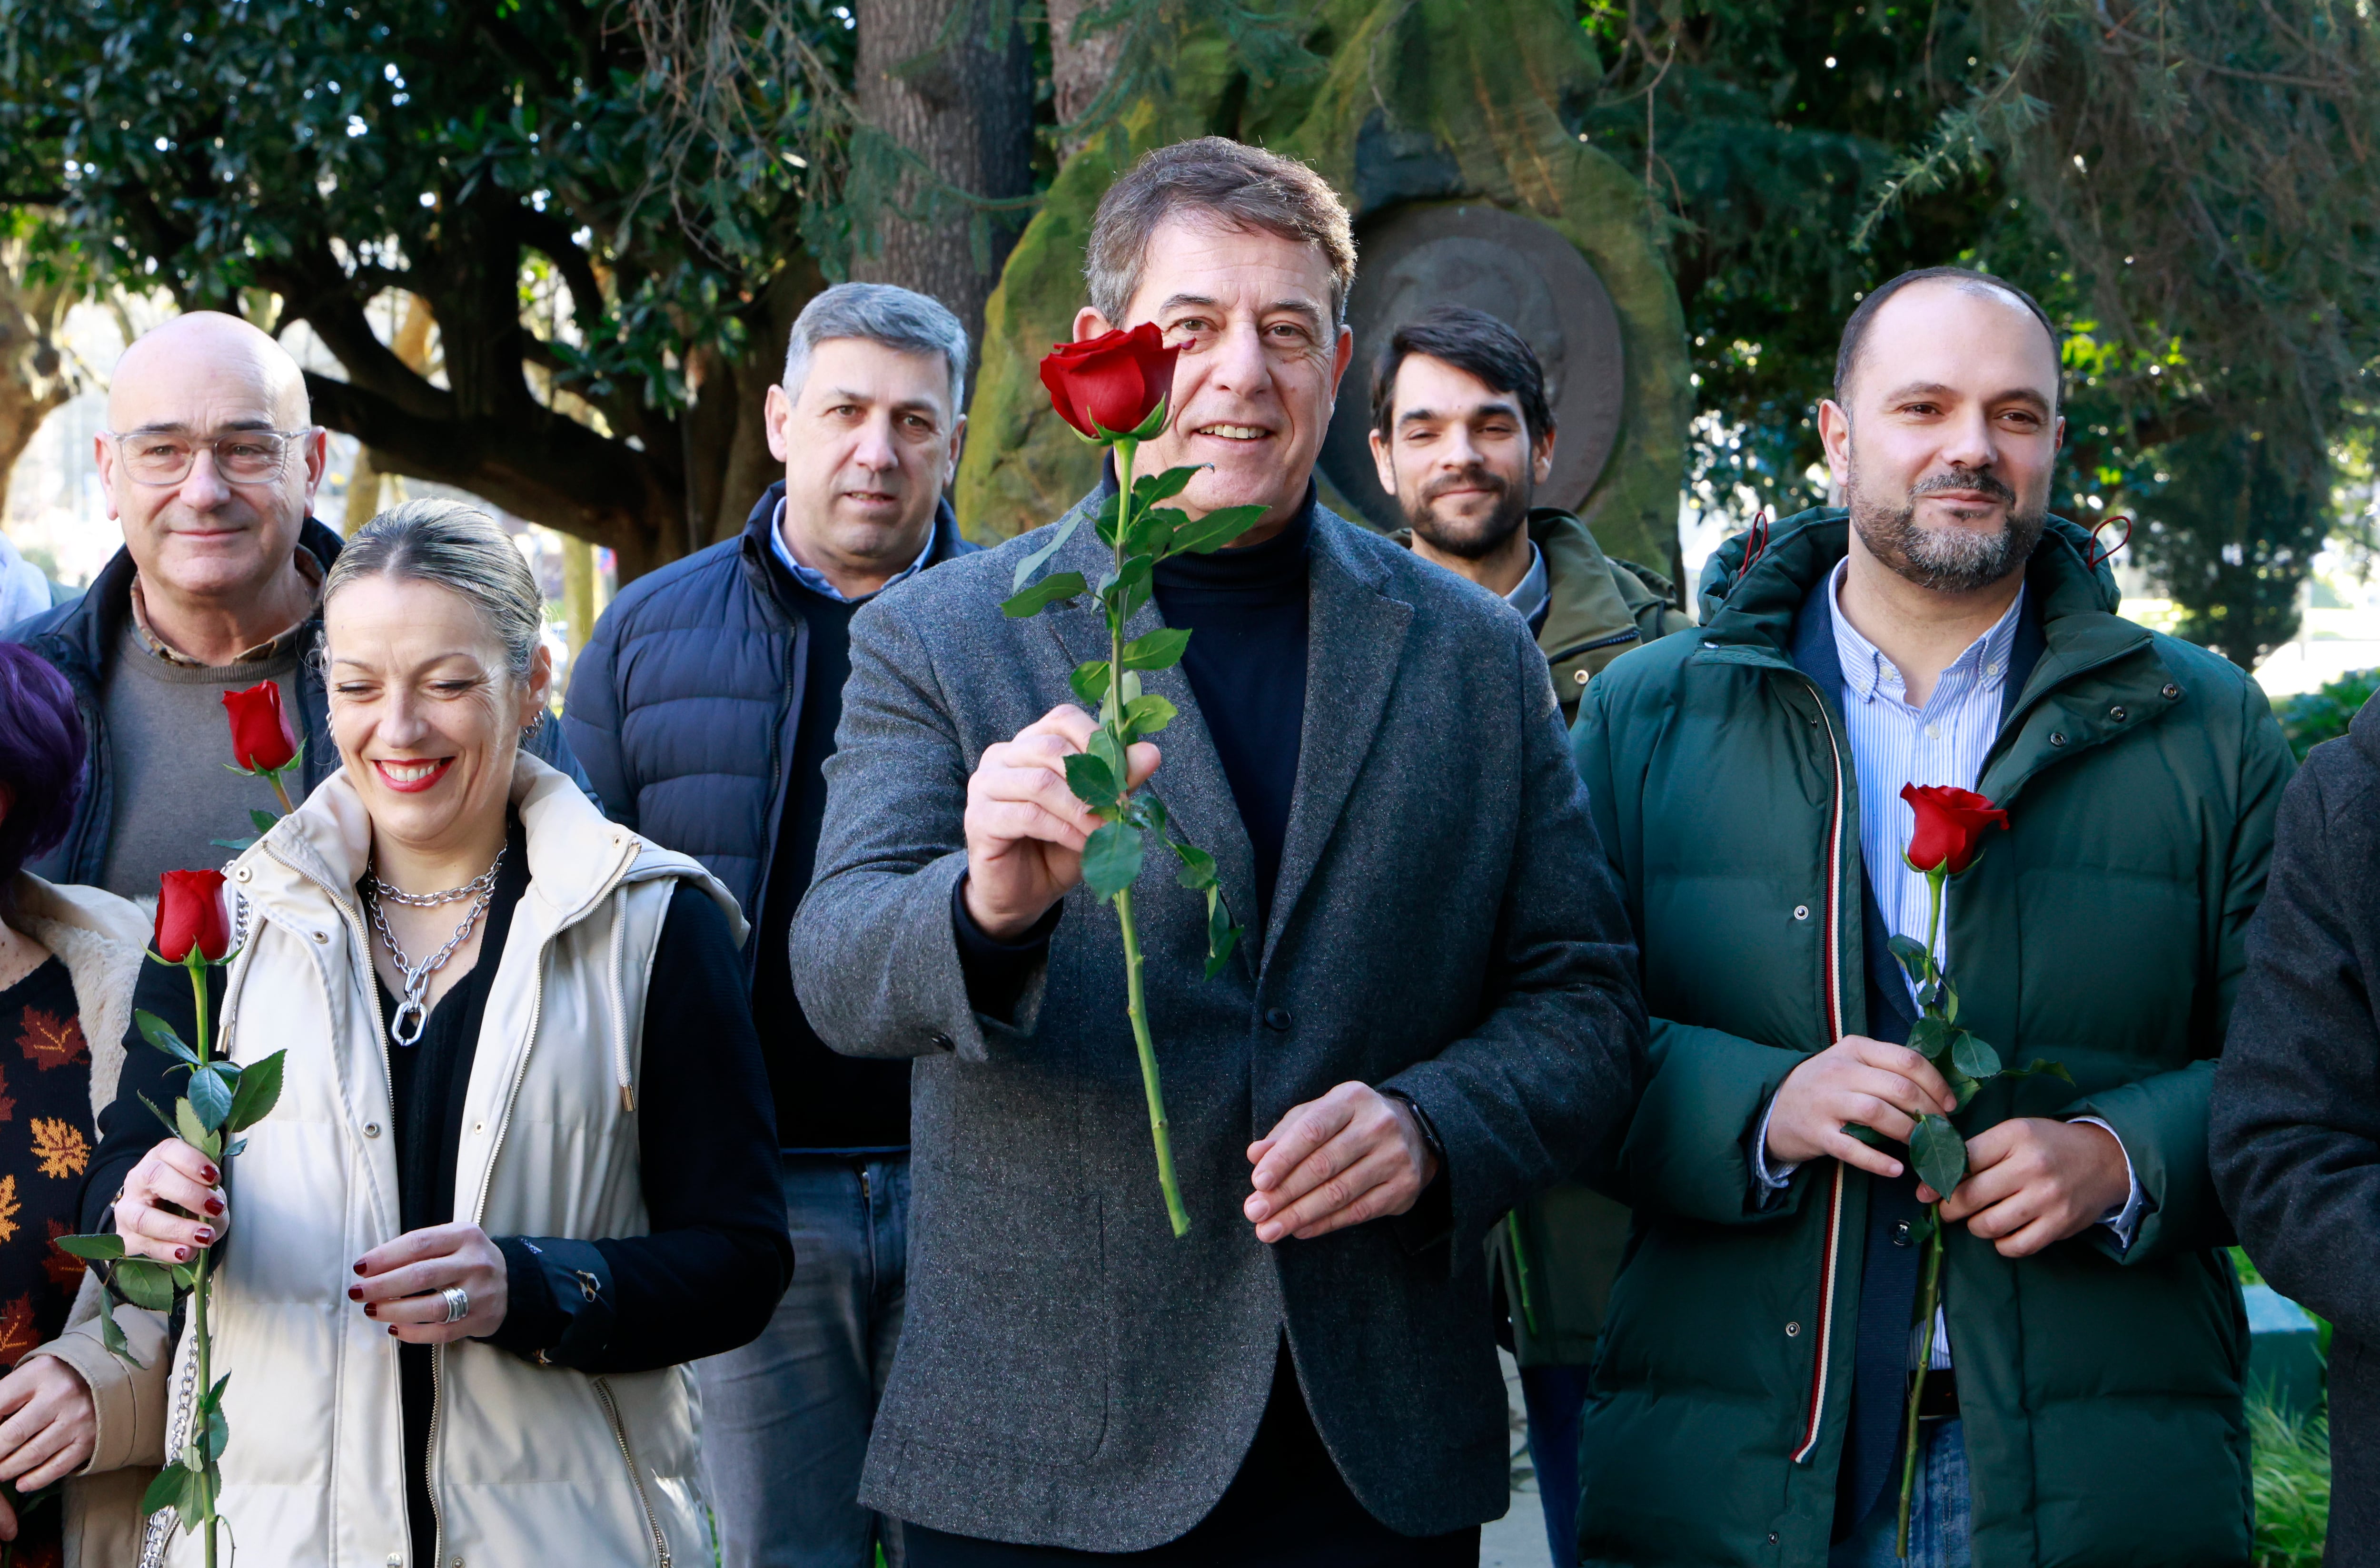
x,y
242,457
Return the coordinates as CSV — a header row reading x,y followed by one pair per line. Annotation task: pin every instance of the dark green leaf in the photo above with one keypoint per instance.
x,y
1949,1000
1126,589
262,820
1930,1038
1111,859
1158,650
1961,1085
1197,866
1090,681
167,1488
1866,1134
1222,935
1104,747
1047,591
2040,1067
1150,427
1148,812
259,1092
235,845
1973,1057
1152,532
1215,530
144,1282
1092,781
218,1433
1938,1153
160,1034
211,1097
1104,524
1032,563
1929,994
1150,488
93,1249
185,1276
1147,715
111,1334
1911,954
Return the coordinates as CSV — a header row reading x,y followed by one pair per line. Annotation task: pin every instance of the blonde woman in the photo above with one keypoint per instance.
x,y
523,1166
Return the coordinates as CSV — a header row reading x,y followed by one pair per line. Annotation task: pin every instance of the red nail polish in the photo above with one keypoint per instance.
x,y
214,1206
355,1293
359,1268
215,1176
181,1254
205,1236
371,1309
391,1330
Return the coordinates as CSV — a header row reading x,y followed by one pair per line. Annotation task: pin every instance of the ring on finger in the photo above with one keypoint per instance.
x,y
458,1303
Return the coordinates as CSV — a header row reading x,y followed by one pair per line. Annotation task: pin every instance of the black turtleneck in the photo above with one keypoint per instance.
x,y
1246,610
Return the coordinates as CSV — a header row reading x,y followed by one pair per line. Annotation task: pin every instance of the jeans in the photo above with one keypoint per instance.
x,y
785,1419
1555,1398
1941,1525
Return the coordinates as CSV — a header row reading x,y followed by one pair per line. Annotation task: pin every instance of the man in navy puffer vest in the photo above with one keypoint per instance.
x,y
704,708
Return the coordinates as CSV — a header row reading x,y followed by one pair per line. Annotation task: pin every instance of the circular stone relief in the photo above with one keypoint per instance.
x,y
1518,270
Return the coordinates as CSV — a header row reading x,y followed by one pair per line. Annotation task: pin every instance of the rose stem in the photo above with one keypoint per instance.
x,y
285,807
1927,1300
195,963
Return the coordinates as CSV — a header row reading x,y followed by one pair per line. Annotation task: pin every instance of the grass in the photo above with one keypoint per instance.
x,y
2292,1480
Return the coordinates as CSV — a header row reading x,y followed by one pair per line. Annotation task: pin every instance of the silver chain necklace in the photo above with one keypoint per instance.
x,y
413,1007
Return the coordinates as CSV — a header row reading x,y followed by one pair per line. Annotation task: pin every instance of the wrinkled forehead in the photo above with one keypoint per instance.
x,y
1197,254
203,390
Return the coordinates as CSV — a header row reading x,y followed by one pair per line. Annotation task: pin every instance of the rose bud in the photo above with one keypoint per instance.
x,y
1111,385
191,914
261,736
1950,827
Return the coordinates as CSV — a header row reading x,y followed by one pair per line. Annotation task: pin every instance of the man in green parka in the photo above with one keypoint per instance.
x,y
1463,433
2083,1404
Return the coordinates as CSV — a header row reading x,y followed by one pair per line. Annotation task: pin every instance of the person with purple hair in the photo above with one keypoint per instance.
x,y
69,957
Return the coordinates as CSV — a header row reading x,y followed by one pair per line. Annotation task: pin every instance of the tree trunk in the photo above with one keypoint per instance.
x,y
1080,68
939,79
35,374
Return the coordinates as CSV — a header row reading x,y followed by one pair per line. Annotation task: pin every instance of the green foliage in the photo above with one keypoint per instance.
x,y
2310,717
2231,527
2291,1466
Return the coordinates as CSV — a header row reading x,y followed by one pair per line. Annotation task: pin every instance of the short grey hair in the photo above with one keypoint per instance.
x,y
460,549
898,317
1242,187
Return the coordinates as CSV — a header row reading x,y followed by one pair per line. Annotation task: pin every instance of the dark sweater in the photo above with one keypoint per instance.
x,y
824,1100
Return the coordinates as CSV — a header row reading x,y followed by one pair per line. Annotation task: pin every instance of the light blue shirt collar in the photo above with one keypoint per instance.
x,y
1867,674
1530,594
816,582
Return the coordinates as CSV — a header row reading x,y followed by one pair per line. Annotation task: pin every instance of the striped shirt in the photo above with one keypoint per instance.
x,y
1944,741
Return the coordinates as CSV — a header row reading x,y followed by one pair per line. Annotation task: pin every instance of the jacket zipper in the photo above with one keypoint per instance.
x,y
1630,635
636,1472
1833,1251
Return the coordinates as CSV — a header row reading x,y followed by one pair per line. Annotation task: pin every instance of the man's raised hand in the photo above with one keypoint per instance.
x,y
1024,828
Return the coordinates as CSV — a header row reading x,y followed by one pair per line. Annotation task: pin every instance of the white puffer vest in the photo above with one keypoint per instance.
x,y
527,1464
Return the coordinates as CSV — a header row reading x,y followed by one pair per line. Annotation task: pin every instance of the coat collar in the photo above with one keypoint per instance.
x,y
101,938
1356,634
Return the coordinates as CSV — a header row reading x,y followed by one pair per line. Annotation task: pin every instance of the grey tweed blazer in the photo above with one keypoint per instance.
x,y
1070,1374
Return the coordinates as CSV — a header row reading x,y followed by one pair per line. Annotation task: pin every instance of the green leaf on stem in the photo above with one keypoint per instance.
x,y
144,1282
1104,747
262,820
1911,954
218,1430
1197,867
1949,1000
1928,994
1150,488
167,1490
111,1333
1158,650
160,1034
1147,715
1092,781
1866,1134
2040,1067
1090,681
1222,935
1215,530
1032,563
190,1131
92,1248
1049,590
1155,422
185,1276
1126,589
1152,533
1939,1153
259,1092
1104,524
211,1097
1973,1057
1965,1088
1147,813
235,846
1112,857
1930,1038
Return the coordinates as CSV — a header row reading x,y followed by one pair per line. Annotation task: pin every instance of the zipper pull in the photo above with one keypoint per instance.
x,y
627,1100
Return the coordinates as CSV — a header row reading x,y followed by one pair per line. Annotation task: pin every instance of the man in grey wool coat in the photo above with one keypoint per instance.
x,y
1433,1013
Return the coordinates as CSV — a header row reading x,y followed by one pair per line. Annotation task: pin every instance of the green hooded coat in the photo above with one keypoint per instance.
x,y
2100,1391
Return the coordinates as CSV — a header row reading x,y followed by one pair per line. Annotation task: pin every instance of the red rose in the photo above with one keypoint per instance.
x,y
262,739
1951,824
1111,385
191,914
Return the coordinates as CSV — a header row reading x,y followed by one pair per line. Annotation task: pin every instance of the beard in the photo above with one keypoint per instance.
x,y
1473,540
1947,560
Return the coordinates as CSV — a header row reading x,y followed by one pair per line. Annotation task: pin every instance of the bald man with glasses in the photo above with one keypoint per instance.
x,y
210,462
